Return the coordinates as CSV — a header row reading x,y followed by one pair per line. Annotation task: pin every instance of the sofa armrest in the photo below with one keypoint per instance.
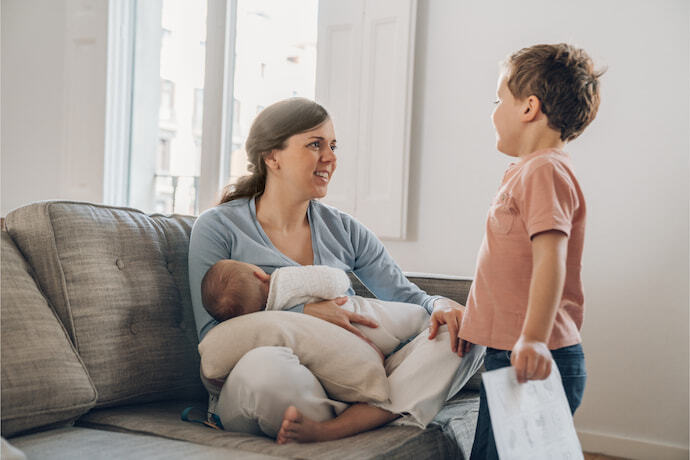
x,y
453,287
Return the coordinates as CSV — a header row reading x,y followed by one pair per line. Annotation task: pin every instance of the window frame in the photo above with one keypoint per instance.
x,y
216,142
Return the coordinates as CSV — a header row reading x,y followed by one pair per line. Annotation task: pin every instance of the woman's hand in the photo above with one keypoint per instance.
x,y
531,359
449,312
329,310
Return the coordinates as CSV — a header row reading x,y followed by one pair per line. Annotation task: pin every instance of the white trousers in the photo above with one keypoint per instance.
x,y
422,376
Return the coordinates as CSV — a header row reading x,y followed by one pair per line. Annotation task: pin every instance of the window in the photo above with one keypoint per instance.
x,y
275,58
199,73
167,105
236,117
365,81
198,111
163,152
259,51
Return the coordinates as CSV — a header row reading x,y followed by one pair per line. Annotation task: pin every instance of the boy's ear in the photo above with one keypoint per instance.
x,y
531,107
263,277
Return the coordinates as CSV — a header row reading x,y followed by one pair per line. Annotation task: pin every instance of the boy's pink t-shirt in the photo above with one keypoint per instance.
x,y
538,193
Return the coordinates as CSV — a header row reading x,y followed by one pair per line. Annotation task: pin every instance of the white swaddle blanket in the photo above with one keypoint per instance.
x,y
398,321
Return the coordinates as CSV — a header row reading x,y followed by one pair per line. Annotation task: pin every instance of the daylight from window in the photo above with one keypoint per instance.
x,y
178,150
275,58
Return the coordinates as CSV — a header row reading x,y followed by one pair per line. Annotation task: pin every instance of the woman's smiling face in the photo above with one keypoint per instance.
x,y
306,164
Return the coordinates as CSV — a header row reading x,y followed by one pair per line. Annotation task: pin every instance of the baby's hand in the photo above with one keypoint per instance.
x,y
531,360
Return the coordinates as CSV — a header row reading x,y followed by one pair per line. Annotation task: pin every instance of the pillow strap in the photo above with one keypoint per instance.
x,y
212,420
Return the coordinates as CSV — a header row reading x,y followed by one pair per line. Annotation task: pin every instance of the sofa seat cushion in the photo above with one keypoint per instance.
x,y
391,442
117,279
43,379
74,442
459,417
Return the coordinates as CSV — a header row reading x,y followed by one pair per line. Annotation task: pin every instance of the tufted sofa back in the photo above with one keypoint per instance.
x,y
117,280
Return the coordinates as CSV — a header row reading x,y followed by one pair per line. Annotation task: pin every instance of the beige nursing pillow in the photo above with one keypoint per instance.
x,y
348,368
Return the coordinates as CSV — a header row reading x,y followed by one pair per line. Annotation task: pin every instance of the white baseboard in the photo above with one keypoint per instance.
x,y
633,449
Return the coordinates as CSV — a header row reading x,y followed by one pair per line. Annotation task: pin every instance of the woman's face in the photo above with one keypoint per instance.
x,y
305,166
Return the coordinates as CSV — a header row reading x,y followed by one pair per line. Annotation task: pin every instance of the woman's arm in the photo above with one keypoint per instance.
x,y
377,270
207,245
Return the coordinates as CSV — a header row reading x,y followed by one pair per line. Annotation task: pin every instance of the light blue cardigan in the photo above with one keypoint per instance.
x,y
231,231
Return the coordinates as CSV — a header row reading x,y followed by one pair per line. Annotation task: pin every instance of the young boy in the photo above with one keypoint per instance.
x,y
232,288
526,302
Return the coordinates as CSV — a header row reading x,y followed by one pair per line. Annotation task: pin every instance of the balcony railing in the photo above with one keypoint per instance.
x,y
176,194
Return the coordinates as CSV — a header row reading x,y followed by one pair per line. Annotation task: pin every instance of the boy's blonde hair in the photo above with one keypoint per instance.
x,y
563,78
229,288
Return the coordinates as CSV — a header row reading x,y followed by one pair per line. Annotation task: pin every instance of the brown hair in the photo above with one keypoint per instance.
x,y
564,80
229,288
270,130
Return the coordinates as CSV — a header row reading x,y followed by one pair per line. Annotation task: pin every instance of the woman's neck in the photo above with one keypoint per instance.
x,y
279,211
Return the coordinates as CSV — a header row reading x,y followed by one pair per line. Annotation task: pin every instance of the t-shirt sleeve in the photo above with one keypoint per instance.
x,y
549,200
207,245
377,270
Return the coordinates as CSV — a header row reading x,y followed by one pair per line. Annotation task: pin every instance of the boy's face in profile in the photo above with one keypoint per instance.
x,y
506,118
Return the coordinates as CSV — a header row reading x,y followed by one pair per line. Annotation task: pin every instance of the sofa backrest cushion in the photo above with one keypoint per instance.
x,y
117,279
43,379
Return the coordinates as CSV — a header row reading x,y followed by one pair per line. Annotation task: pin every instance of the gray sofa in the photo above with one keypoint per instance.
x,y
99,350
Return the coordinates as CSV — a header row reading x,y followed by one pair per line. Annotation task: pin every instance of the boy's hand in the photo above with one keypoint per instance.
x,y
449,312
531,360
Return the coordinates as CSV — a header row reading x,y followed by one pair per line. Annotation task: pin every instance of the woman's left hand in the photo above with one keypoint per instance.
x,y
449,312
329,310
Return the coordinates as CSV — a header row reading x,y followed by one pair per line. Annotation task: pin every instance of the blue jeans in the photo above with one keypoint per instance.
x,y
571,364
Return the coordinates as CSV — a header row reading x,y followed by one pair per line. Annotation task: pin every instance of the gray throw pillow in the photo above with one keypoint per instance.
x,y
43,379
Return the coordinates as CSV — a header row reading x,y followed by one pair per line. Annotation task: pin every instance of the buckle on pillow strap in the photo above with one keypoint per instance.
x,y
212,420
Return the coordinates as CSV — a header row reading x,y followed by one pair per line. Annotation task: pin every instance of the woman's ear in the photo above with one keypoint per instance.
x,y
271,160
531,107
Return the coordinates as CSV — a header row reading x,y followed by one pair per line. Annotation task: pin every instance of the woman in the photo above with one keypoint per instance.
x,y
271,219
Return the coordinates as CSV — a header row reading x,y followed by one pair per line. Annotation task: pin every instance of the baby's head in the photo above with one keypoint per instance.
x,y
231,288
563,78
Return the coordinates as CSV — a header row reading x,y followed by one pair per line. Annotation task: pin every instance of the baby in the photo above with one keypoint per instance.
x,y
232,288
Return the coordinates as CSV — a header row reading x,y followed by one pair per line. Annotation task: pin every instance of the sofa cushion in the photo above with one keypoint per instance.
x,y
117,279
10,452
76,443
390,442
43,379
328,351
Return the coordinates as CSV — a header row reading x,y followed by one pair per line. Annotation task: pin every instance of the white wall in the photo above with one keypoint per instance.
x,y
53,100
632,163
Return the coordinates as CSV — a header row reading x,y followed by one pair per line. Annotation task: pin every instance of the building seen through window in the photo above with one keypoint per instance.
x,y
275,58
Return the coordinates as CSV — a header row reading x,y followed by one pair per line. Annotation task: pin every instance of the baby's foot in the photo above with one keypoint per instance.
x,y
298,428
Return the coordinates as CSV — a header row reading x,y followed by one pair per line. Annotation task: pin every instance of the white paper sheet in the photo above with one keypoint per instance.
x,y
530,420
